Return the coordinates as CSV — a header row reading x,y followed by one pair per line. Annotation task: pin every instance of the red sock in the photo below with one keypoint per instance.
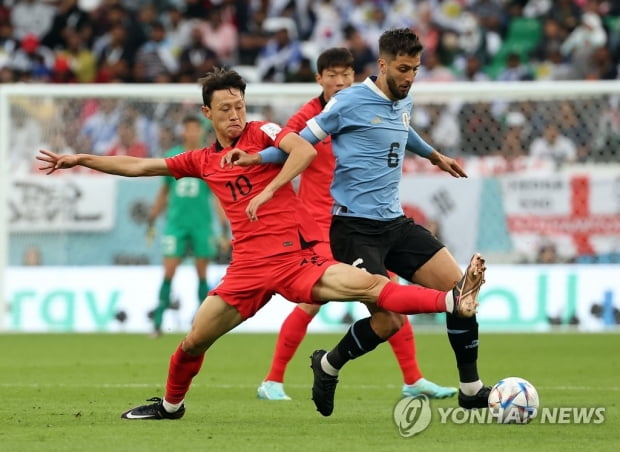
x,y
183,367
291,334
411,299
403,345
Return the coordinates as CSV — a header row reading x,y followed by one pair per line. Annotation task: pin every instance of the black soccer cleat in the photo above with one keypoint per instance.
x,y
478,400
153,411
324,386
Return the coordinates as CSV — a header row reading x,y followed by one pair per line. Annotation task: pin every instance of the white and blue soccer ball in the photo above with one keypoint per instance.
x,y
513,400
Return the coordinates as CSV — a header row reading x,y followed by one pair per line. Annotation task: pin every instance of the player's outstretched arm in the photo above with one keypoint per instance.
x,y
447,164
300,154
272,154
120,165
238,157
417,145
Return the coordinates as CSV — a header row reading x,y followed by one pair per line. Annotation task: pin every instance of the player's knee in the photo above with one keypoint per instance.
x,y
396,322
386,324
372,287
399,320
194,345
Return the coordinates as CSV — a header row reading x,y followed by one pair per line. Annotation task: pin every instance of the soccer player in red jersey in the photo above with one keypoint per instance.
x,y
334,73
272,245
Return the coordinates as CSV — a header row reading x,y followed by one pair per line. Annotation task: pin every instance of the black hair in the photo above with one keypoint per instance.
x,y
220,79
336,56
399,41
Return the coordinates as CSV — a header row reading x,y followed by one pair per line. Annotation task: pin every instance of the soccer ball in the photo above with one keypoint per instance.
x,y
513,400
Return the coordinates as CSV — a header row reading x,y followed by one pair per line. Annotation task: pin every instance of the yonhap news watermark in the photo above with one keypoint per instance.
x,y
413,415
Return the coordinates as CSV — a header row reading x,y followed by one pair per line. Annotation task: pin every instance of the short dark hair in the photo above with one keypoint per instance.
x,y
220,79
399,41
336,56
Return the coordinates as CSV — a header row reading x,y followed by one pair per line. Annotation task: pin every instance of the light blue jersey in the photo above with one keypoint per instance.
x,y
369,135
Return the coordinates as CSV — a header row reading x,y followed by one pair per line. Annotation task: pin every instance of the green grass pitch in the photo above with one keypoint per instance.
x,y
64,392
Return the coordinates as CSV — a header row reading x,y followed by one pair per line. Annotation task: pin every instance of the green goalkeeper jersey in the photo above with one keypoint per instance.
x,y
190,203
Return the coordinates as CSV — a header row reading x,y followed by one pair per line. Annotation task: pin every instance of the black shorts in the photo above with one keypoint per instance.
x,y
398,245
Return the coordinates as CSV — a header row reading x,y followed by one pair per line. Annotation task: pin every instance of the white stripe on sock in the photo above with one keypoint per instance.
x,y
172,407
327,367
449,301
471,388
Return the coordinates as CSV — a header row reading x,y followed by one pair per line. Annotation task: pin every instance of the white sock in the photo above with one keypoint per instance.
x,y
172,407
471,388
449,301
327,367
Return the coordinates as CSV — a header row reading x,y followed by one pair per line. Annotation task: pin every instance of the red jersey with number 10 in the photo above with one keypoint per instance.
x,y
283,224
316,180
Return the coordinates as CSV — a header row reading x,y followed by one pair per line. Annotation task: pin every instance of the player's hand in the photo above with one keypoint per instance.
x,y
52,161
238,157
447,164
256,202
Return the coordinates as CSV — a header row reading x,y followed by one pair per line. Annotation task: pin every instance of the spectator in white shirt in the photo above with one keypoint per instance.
x,y
582,42
553,145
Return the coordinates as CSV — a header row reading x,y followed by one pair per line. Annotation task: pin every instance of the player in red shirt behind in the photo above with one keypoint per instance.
x,y
334,73
273,237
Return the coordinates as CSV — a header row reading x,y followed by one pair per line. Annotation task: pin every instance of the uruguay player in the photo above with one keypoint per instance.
x,y
334,73
370,129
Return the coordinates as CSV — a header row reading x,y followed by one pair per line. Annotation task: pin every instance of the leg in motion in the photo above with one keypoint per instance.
x,y
213,319
463,335
404,348
403,345
342,282
291,334
360,339
440,272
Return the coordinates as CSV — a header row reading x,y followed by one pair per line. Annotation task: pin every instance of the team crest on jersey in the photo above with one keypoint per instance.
x,y
271,129
406,120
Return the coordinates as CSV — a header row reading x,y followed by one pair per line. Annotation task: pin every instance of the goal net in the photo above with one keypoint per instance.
x,y
542,159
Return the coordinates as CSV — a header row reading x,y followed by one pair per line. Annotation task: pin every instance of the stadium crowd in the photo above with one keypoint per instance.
x,y
175,41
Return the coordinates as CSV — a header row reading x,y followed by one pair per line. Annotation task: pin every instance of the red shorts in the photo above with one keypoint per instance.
x,y
249,284
323,249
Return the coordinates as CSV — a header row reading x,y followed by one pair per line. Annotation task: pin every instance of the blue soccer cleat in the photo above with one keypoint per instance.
x,y
271,390
429,389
